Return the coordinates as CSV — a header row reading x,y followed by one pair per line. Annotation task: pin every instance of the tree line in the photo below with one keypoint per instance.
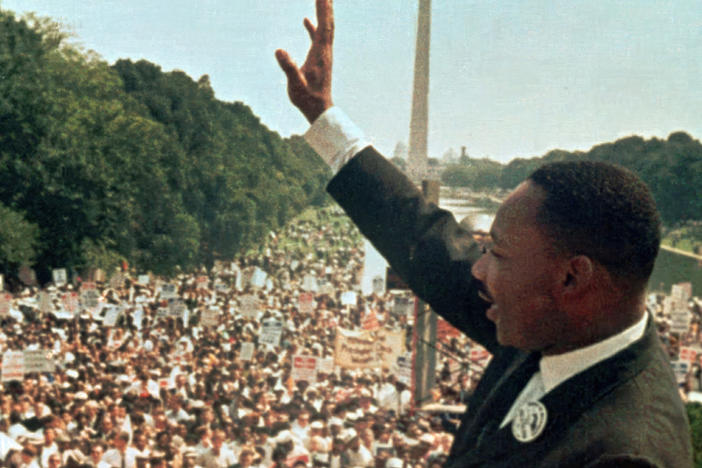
x,y
671,167
101,164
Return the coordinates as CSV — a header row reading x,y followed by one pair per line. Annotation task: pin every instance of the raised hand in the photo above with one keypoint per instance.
x,y
309,87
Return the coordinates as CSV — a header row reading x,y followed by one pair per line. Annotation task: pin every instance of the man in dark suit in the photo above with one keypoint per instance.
x,y
578,376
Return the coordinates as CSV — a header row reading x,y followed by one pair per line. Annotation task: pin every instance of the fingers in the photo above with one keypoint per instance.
x,y
295,79
311,29
325,20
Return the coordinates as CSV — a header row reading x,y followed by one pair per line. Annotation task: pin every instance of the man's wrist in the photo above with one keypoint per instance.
x,y
335,138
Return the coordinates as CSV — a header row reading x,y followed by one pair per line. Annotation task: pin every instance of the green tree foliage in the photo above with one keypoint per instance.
x,y
128,162
477,174
672,168
694,414
18,240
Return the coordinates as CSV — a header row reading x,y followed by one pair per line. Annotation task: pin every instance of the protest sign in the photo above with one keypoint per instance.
x,y
168,291
37,360
258,278
249,306
680,368
348,298
59,276
364,349
117,280
680,320
325,365
403,307
5,304
89,296
201,282
309,283
681,292
271,332
111,315
27,275
12,366
45,305
304,368
209,317
688,354
69,301
247,351
306,303
143,279
403,368
176,308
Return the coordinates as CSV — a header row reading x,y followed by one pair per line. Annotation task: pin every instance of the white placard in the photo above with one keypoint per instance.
x,y
309,283
89,297
12,366
304,368
680,321
168,291
680,368
5,304
111,315
143,279
403,368
348,298
258,278
325,365
249,306
247,351
59,276
70,302
209,317
36,360
271,332
176,308
45,305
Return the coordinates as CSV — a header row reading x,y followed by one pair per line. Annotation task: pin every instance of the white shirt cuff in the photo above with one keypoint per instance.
x,y
335,138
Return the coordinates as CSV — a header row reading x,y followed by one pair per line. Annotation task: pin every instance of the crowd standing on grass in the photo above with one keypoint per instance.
x,y
143,378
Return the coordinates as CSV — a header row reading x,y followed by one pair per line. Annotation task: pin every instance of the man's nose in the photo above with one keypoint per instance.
x,y
478,268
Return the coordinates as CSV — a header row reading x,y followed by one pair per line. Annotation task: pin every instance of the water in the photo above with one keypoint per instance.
x,y
670,267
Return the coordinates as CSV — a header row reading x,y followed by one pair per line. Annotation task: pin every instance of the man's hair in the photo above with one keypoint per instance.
x,y
602,211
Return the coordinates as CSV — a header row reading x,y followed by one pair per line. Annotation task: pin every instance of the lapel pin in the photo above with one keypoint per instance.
x,y
529,422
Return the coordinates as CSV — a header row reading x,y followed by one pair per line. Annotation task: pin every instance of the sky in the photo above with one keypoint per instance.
x,y
508,78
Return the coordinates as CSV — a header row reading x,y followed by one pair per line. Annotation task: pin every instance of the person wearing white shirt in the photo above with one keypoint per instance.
x,y
578,375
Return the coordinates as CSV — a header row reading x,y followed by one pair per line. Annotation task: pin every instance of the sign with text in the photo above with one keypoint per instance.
x,y
306,303
304,368
143,279
360,350
69,301
249,306
37,360
271,332
89,296
209,317
247,351
348,298
12,366
168,291
59,276
5,304
111,315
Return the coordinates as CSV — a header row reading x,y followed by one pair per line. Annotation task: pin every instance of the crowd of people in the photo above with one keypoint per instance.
x,y
156,372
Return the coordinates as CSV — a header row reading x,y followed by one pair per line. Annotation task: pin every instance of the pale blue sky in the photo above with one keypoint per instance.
x,y
508,78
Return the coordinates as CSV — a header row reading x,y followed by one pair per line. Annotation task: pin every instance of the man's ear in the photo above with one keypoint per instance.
x,y
579,274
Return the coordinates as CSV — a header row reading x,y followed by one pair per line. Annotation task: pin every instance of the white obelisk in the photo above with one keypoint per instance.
x,y
420,97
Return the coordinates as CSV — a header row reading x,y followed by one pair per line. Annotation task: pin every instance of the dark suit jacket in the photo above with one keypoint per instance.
x,y
624,411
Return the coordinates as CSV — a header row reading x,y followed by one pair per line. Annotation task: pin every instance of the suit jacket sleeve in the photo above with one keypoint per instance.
x,y
423,244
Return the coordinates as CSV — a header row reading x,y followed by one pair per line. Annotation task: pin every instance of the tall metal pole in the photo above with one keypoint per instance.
x,y
420,96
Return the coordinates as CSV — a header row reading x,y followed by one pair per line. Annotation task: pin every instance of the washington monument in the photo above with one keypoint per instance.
x,y
417,166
